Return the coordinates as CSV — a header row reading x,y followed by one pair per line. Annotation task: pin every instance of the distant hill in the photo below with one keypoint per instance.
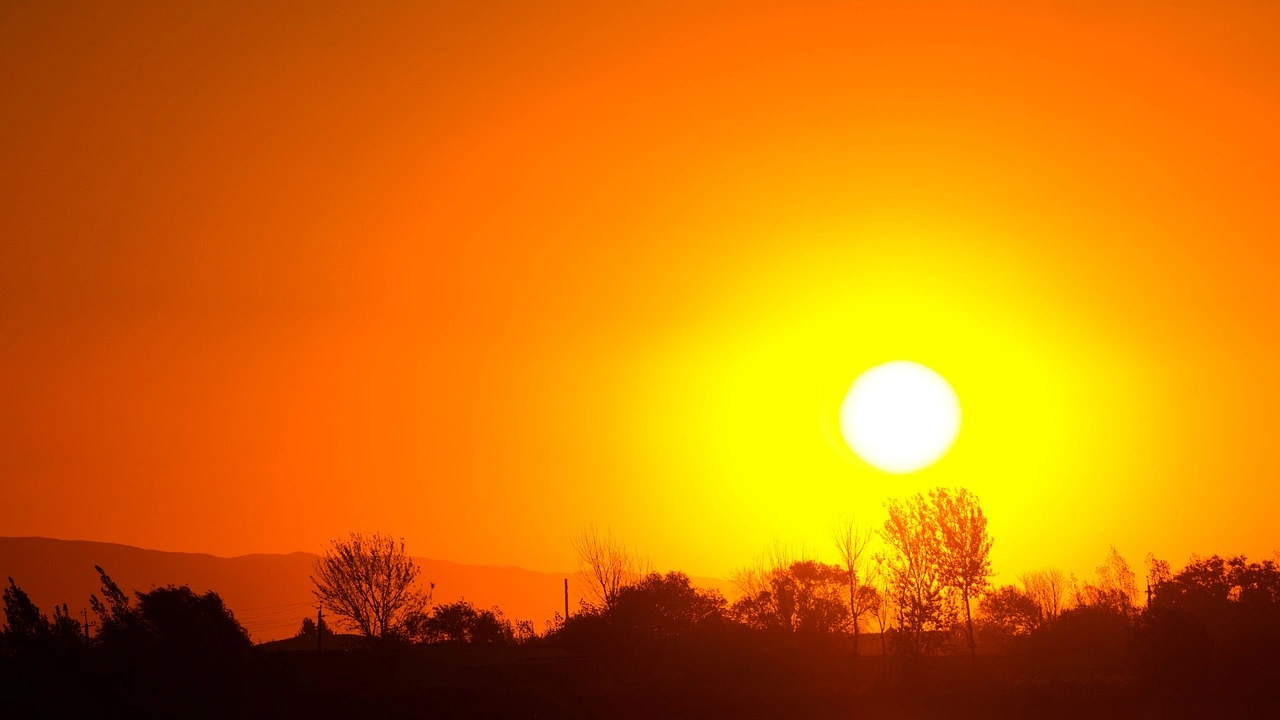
x,y
268,593
344,641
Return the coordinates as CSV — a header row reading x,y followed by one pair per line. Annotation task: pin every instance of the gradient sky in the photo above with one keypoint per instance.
x,y
482,273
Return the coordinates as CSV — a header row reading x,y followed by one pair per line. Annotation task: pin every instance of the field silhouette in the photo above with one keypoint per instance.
x,y
797,640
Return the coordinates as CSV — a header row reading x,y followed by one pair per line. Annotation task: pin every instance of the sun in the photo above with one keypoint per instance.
x,y
900,416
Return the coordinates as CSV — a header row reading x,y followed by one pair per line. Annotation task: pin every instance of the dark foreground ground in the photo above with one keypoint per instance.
x,y
542,682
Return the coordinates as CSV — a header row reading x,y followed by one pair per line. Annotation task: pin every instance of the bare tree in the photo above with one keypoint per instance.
x,y
1117,586
757,578
1048,590
370,583
965,546
1115,576
883,610
606,566
851,541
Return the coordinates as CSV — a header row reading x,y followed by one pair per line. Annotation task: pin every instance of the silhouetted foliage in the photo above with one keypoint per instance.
x,y
461,622
40,657
667,606
1116,588
33,638
172,622
184,624
1008,615
1087,634
65,629
965,548
370,584
1099,626
25,629
120,627
171,645
1216,615
655,613
1048,590
1213,584
802,596
915,573
308,628
1210,635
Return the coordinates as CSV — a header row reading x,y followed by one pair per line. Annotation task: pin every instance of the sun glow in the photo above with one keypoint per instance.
x,y
900,416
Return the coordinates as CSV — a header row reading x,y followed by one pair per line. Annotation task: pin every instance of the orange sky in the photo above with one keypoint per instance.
x,y
482,273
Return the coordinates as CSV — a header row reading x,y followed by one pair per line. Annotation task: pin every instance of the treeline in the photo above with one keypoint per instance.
x,y
921,582
168,647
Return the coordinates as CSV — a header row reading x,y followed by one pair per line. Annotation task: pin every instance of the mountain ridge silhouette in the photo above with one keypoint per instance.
x,y
269,593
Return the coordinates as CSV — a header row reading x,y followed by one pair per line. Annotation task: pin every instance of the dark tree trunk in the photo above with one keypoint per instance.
x,y
968,621
855,618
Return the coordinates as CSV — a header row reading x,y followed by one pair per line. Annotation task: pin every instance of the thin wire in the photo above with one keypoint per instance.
x,y
261,616
272,627
272,607
269,621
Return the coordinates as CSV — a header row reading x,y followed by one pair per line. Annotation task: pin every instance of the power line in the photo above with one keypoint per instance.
x,y
263,616
272,607
271,623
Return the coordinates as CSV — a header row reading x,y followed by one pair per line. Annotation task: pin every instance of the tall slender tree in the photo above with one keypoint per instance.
x,y
914,564
851,541
965,548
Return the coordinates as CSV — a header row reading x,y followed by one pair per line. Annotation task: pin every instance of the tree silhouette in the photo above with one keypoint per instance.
x,y
1010,613
370,583
28,633
654,615
1116,589
1218,618
605,566
851,541
801,596
914,560
666,606
65,628
1048,590
120,626
883,610
308,628
185,624
1215,585
461,622
938,544
25,627
171,621
965,556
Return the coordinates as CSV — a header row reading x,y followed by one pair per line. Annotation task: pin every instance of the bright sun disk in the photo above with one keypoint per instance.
x,y
900,416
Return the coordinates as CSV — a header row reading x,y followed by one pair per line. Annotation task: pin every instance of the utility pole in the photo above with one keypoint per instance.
x,y
319,629
566,599
85,614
